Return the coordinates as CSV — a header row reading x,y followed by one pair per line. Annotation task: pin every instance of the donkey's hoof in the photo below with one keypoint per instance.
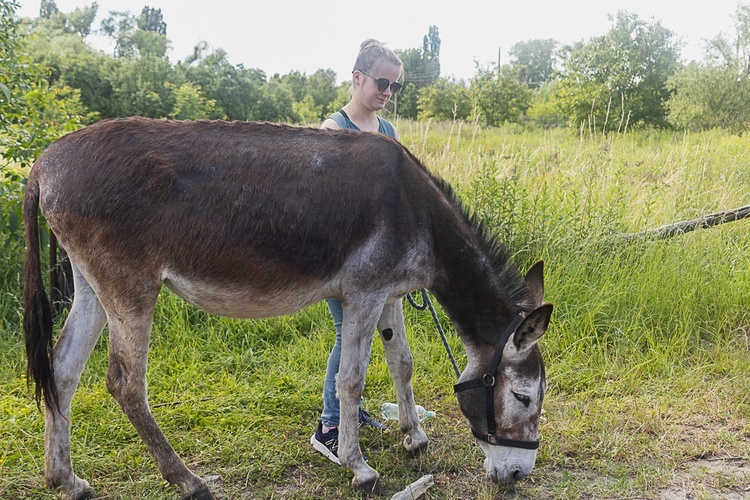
x,y
372,486
201,494
416,446
87,494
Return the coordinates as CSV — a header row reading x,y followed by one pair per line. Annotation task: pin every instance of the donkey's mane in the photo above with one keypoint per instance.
x,y
496,251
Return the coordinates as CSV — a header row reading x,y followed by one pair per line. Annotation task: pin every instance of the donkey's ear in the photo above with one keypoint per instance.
x,y
532,327
535,282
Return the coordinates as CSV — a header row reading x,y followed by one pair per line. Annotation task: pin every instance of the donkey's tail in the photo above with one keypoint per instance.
x,y
37,316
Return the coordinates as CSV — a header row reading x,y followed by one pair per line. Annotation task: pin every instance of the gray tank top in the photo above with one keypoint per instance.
x,y
343,121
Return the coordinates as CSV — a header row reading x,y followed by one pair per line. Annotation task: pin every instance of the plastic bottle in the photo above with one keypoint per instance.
x,y
389,411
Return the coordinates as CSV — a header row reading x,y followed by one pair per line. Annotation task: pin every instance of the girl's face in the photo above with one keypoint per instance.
x,y
370,96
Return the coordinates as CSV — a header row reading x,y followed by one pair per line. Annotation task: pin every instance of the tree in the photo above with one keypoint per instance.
x,y
47,8
150,43
79,21
735,52
706,97
322,88
535,60
119,26
431,48
421,69
72,62
145,35
238,91
32,114
152,20
619,77
543,110
497,100
190,104
306,111
140,86
444,100
277,103
296,82
717,92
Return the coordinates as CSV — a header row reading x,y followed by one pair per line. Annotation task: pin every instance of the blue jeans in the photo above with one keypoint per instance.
x,y
331,409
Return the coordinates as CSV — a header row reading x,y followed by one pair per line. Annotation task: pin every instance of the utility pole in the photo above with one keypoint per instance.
x,y
499,51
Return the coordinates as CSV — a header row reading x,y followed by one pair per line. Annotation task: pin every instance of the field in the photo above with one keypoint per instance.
x,y
648,353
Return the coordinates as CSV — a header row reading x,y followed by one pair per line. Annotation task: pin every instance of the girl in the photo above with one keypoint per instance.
x,y
375,79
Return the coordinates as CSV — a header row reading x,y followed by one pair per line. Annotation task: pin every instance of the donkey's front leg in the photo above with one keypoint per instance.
x,y
358,330
400,366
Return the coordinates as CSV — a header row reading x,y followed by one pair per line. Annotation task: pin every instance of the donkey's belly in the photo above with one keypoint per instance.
x,y
246,301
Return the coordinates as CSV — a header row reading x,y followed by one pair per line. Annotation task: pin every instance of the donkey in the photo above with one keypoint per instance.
x,y
255,220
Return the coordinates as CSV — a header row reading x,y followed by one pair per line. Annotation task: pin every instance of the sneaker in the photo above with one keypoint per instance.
x,y
366,419
328,443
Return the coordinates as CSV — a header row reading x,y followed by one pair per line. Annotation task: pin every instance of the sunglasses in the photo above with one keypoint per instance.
x,y
383,83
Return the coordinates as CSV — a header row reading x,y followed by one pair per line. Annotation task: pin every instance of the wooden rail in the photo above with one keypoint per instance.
x,y
677,228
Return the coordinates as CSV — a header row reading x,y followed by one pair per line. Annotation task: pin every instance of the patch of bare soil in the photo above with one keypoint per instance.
x,y
717,477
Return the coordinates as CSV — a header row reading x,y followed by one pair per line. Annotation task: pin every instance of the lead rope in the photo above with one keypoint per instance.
x,y
427,304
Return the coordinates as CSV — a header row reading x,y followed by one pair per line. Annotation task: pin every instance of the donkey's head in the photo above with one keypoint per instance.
x,y
501,390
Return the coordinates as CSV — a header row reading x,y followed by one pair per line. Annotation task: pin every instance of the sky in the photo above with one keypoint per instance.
x,y
280,36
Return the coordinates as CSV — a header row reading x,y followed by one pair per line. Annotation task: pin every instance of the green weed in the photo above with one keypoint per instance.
x,y
648,354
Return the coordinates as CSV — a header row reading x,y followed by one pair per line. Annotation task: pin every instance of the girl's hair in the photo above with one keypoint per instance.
x,y
371,51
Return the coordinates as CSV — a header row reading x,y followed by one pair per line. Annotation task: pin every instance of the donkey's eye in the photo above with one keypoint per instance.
x,y
523,398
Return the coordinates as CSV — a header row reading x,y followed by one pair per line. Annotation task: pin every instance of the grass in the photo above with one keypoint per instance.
x,y
648,354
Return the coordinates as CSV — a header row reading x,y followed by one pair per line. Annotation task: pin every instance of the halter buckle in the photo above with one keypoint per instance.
x,y
488,380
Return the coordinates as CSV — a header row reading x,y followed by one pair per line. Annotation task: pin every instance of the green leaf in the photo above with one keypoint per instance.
x,y
5,90
13,222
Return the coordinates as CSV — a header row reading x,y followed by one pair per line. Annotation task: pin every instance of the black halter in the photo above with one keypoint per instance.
x,y
488,381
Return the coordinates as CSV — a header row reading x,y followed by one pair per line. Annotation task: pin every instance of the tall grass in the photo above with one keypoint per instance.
x,y
648,354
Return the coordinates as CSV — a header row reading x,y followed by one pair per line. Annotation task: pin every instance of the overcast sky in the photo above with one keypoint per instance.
x,y
279,36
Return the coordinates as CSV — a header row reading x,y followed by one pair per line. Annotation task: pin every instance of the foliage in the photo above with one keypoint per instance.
x,y
343,94
544,110
277,102
140,86
705,97
444,100
724,51
47,8
497,99
145,34
306,111
152,20
237,91
421,69
32,115
312,95
74,63
614,82
716,93
647,354
610,92
77,22
535,61
321,86
190,104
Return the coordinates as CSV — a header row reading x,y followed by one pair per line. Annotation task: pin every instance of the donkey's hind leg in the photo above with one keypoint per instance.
x,y
400,366
82,329
129,333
